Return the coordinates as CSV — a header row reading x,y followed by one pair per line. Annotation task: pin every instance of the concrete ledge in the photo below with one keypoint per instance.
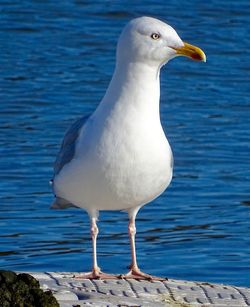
x,y
123,293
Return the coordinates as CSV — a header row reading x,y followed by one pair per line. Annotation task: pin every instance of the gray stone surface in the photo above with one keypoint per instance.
x,y
70,292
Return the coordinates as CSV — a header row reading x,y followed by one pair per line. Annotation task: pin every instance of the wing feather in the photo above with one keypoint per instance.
x,y
68,146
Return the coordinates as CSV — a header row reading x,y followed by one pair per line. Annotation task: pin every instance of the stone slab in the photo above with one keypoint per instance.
x,y
71,292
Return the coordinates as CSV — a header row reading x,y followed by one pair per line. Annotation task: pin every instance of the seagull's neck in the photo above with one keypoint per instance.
x,y
133,85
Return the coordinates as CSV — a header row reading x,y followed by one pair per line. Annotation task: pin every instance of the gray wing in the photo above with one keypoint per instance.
x,y
172,159
67,149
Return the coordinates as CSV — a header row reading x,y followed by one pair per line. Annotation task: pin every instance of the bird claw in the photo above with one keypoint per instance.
x,y
135,273
95,274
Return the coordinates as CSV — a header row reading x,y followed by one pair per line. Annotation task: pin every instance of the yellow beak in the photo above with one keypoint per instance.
x,y
192,52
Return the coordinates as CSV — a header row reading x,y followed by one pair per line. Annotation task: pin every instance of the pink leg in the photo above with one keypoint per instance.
x,y
96,271
135,272
132,233
94,232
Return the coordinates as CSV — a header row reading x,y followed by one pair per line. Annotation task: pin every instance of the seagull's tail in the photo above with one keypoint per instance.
x,y
61,203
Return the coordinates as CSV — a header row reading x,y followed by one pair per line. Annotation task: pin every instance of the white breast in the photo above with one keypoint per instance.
x,y
119,164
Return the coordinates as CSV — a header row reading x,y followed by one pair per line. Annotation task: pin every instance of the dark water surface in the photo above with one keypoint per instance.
x,y
56,61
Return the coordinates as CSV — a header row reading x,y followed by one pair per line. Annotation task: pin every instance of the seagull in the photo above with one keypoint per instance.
x,y
119,158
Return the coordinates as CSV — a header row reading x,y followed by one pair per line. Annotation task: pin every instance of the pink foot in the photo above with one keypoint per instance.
x,y
95,274
135,273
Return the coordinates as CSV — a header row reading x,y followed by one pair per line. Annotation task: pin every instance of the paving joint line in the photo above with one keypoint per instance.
x,y
243,295
206,293
96,287
170,292
132,288
53,278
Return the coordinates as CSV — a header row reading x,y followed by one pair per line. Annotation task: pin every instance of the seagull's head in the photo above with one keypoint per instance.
x,y
154,42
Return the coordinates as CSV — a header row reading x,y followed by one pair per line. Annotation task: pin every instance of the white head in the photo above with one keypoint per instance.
x,y
154,42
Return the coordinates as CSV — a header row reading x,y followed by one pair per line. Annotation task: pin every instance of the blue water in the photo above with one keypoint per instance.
x,y
56,61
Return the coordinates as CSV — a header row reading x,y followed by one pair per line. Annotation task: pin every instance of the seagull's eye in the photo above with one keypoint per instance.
x,y
155,36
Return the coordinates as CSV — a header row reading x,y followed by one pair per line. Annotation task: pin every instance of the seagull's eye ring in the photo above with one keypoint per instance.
x,y
155,36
